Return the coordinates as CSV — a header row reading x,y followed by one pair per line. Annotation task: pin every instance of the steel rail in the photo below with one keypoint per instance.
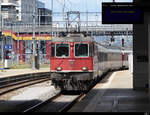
x,y
48,101
69,105
10,81
39,105
21,85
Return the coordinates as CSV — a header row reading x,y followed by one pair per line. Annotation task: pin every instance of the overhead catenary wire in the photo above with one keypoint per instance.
x,y
65,7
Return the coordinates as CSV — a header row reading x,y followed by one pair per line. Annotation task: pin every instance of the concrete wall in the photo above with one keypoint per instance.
x,y
140,50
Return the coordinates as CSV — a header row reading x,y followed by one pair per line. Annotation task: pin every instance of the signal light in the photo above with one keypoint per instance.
x,y
122,42
8,54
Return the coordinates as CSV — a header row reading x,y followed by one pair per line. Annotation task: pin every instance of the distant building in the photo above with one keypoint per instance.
x,y
41,4
21,11
8,8
25,10
44,16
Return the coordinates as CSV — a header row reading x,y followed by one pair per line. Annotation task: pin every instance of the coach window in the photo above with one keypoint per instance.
x,y
91,48
52,50
62,50
81,50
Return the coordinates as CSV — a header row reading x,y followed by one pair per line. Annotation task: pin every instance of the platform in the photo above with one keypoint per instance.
x,y
114,94
14,72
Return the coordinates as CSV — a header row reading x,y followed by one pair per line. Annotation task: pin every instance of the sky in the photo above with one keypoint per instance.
x,y
78,5
82,5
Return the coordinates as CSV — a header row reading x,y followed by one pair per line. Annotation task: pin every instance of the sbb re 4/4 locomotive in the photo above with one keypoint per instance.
x,y
77,61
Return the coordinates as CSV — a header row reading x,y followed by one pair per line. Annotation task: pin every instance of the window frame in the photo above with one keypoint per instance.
x,y
56,50
75,50
91,44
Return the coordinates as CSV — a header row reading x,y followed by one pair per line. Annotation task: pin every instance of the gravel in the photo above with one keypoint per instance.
x,y
18,98
37,92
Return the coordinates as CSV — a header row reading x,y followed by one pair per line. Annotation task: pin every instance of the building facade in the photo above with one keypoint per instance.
x,y
44,17
25,10
41,4
21,11
8,9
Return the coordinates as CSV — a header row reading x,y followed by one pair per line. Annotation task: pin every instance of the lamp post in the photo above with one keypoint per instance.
x,y
33,38
51,25
39,45
1,37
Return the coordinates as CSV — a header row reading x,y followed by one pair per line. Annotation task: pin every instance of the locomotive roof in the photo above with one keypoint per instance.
x,y
73,38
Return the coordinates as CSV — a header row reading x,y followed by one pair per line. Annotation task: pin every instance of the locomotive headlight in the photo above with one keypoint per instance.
x,y
84,68
59,69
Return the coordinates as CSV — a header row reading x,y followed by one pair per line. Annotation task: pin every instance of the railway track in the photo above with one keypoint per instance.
x,y
58,103
8,81
14,83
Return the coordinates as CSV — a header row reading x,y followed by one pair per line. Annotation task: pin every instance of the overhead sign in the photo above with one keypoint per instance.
x,y
121,13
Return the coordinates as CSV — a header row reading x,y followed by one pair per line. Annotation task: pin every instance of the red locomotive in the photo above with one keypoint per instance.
x,y
77,60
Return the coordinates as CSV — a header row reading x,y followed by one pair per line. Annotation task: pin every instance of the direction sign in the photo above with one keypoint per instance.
x,y
7,47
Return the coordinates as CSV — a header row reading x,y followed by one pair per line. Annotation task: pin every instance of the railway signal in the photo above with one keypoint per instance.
x,y
122,43
7,54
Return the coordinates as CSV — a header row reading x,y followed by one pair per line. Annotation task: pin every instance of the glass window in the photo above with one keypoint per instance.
x,y
4,8
62,50
81,50
52,50
91,50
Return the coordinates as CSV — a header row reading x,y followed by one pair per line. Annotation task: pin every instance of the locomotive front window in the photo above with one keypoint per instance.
x,y
62,50
81,50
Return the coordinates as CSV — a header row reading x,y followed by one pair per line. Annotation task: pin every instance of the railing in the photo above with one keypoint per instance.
x,y
60,26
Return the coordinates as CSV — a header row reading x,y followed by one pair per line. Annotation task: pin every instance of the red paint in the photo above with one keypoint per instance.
x,y
22,51
72,63
48,50
123,56
15,47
